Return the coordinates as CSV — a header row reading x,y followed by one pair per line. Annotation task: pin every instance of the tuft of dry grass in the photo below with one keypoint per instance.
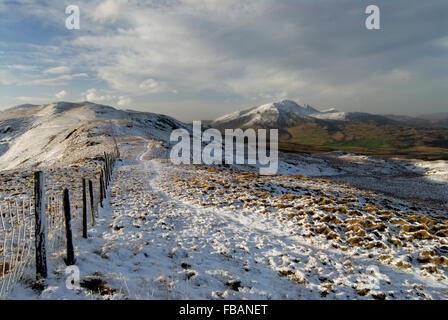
x,y
355,213
396,242
403,265
6,268
289,196
377,244
331,219
363,292
384,257
372,208
323,201
442,233
379,296
421,235
355,241
430,269
440,260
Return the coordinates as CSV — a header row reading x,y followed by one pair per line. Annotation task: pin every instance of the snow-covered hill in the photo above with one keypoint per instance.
x,y
327,226
213,232
286,114
61,133
31,135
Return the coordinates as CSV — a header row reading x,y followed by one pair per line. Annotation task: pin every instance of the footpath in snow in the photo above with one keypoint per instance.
x,y
148,244
158,247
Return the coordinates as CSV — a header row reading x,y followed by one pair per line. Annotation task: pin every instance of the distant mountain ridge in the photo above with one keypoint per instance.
x,y
287,114
306,129
31,134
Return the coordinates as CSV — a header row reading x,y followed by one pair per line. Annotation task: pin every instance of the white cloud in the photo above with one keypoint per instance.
x,y
229,8
93,96
108,10
32,99
255,49
267,83
73,76
57,70
149,84
21,67
152,86
55,81
443,42
7,78
167,49
124,101
61,94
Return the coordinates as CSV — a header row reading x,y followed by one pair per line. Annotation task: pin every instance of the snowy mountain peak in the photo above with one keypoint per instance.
x,y
284,113
330,110
20,107
288,106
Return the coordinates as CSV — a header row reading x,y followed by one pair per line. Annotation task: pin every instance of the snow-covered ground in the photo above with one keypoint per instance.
x,y
434,170
333,226
407,179
196,232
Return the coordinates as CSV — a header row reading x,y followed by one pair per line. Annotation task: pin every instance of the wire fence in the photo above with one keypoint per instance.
x,y
17,242
55,225
18,229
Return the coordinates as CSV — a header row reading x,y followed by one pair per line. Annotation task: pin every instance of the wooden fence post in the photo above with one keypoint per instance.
x,y
101,188
107,176
104,184
106,169
84,209
92,213
109,165
40,225
70,260
112,163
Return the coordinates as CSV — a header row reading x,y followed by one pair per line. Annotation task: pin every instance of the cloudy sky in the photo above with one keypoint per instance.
x,y
199,59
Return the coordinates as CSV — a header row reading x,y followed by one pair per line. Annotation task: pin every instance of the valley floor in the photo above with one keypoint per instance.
x,y
169,232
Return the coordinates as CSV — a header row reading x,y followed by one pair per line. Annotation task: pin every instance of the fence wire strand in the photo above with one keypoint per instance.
x,y
17,247
17,242
17,234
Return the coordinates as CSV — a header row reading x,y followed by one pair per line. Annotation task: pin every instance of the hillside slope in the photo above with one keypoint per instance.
x,y
198,232
61,132
225,232
305,129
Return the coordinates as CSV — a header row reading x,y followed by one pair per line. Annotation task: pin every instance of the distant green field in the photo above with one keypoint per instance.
x,y
368,138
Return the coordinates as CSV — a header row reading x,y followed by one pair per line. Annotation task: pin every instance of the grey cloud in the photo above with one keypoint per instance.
x,y
248,51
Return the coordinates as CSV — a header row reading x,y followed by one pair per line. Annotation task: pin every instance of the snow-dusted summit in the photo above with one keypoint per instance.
x,y
53,133
287,113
